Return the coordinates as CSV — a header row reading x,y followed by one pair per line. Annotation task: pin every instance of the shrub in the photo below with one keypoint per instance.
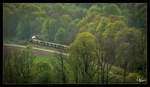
x,y
132,77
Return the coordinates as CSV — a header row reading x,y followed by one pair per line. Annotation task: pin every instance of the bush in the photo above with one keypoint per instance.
x,y
18,68
132,77
44,77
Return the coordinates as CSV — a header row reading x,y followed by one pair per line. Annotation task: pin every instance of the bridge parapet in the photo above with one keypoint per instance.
x,y
48,44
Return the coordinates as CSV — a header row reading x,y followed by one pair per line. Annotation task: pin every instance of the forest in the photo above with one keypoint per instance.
x,y
107,42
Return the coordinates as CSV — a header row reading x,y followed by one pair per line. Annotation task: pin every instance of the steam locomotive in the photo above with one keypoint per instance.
x,y
48,44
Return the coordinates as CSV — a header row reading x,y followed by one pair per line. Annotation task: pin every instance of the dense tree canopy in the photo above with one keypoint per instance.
x,y
99,35
83,52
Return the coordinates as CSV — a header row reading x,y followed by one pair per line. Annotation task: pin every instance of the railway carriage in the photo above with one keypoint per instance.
x,y
48,44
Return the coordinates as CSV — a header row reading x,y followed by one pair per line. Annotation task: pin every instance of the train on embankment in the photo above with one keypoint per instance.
x,y
48,44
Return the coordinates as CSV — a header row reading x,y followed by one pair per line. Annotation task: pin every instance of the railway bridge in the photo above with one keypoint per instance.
x,y
48,44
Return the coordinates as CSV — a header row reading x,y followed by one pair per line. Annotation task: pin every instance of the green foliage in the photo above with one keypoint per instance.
x,y
24,33
43,72
44,77
115,32
128,41
82,52
60,35
84,41
48,29
132,78
112,28
48,69
111,9
142,14
20,66
94,8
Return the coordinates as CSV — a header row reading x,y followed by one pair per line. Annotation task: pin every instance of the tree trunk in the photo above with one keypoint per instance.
x,y
63,73
125,70
107,75
103,76
76,75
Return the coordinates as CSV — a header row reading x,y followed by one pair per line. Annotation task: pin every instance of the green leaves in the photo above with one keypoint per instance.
x,y
113,28
81,53
111,9
49,29
94,8
60,35
85,41
119,28
20,66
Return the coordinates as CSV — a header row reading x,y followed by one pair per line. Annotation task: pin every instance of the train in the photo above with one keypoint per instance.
x,y
34,40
